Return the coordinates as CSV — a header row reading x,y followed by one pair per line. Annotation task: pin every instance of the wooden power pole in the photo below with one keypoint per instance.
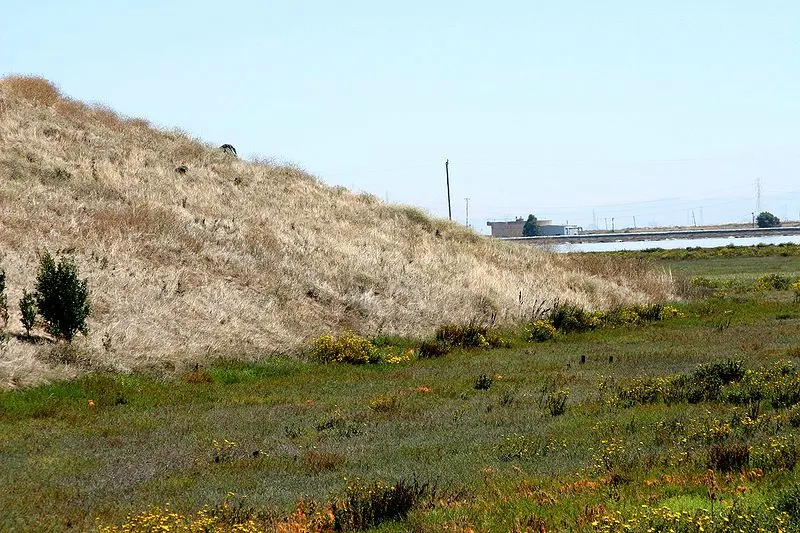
x,y
447,173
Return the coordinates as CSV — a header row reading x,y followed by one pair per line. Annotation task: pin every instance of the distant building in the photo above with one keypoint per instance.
x,y
513,228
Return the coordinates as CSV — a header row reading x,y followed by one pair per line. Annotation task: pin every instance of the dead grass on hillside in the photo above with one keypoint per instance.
x,y
240,259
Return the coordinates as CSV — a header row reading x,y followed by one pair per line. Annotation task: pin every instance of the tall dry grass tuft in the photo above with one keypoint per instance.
x,y
34,89
240,259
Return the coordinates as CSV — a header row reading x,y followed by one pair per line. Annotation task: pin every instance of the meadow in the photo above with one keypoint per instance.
x,y
678,417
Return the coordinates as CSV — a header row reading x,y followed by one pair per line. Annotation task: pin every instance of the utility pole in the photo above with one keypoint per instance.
x,y
634,221
447,173
694,221
467,200
612,225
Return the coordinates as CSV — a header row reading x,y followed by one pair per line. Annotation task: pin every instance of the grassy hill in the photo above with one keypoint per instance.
x,y
239,259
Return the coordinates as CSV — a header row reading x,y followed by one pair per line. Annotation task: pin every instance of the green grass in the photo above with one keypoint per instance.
x,y
281,430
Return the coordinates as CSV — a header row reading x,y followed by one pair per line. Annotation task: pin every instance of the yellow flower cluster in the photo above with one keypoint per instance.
x,y
647,519
540,331
346,348
669,311
165,520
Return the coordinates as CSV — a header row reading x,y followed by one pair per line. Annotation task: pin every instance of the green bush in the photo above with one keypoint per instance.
x,y
62,298
27,306
707,379
773,282
789,502
568,318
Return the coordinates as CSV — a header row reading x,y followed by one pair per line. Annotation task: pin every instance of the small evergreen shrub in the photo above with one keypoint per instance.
x,y
27,306
62,298
346,348
483,382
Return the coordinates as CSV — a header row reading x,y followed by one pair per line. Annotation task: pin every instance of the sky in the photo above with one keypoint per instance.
x,y
593,113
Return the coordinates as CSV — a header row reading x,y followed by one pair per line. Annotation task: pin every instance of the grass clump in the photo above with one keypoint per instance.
x,y
432,350
729,457
366,505
470,335
345,348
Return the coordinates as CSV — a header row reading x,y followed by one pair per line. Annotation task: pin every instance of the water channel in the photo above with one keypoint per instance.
x,y
671,244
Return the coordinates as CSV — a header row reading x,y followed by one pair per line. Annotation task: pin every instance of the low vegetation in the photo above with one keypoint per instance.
x,y
639,418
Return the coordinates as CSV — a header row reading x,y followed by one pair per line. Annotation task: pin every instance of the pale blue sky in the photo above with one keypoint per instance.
x,y
653,109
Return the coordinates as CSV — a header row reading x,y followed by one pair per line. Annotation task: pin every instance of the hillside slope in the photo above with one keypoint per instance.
x,y
235,258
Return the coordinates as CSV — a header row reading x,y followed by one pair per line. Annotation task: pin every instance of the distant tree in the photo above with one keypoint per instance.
x,y
765,219
531,227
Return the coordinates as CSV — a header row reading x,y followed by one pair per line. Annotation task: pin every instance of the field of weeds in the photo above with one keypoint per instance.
x,y
679,416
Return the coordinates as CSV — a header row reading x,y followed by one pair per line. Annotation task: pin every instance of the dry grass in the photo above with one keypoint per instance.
x,y
239,259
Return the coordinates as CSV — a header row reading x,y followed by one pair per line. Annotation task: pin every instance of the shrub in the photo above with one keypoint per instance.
x,y
649,313
569,318
469,336
385,404
366,505
317,462
540,331
464,336
707,379
796,290
789,501
556,402
774,282
483,382
432,350
3,298
62,298
346,348
27,306
729,457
